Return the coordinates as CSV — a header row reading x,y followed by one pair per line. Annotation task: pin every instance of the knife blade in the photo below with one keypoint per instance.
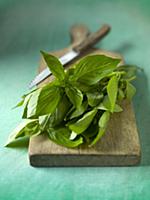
x,y
92,39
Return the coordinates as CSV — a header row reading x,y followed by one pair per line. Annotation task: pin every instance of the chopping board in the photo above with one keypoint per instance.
x,y
119,146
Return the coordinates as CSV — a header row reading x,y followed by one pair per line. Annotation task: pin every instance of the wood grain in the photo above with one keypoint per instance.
x,y
120,145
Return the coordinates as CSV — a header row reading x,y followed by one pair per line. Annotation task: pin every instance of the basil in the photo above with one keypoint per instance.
x,y
25,129
130,91
92,69
82,124
75,95
54,65
112,90
61,136
43,101
75,108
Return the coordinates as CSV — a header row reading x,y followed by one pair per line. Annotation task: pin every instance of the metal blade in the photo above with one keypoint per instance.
x,y
46,72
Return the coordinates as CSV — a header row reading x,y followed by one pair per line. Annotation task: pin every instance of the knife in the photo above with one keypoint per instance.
x,y
90,40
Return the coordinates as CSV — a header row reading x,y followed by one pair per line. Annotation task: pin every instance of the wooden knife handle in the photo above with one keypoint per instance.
x,y
78,33
93,38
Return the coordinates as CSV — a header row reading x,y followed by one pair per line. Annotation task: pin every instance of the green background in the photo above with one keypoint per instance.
x,y
27,26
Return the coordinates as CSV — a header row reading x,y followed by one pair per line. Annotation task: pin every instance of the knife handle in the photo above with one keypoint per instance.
x,y
78,34
93,38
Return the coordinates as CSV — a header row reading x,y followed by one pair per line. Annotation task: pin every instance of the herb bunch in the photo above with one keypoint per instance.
x,y
76,106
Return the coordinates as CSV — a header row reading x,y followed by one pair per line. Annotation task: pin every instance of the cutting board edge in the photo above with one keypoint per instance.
x,y
81,160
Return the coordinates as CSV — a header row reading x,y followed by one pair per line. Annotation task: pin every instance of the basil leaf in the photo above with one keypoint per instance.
x,y
25,129
56,118
90,132
69,74
116,109
54,65
25,104
112,90
61,136
74,95
103,121
72,109
101,132
21,103
130,91
93,68
105,105
44,121
60,113
43,101
94,77
82,124
79,111
94,98
32,104
83,87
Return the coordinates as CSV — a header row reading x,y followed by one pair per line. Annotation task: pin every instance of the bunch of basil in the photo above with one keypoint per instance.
x,y
76,106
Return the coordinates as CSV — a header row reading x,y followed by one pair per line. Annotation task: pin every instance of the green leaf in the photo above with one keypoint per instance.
x,y
112,90
44,121
101,132
60,113
54,65
130,91
43,101
94,77
103,121
19,104
116,109
83,87
57,117
94,98
71,110
93,68
62,135
82,124
32,104
79,111
106,105
24,97
26,128
25,104
19,142
69,74
74,95
90,132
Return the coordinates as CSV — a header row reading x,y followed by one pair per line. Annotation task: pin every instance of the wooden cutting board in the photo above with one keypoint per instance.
x,y
118,147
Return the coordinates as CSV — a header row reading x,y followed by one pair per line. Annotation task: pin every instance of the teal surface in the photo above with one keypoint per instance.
x,y
30,25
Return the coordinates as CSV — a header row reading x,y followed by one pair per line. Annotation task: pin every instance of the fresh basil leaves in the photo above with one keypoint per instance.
x,y
76,106
54,65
